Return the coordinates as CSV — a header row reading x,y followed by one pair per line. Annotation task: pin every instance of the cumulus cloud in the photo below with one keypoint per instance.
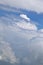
x,y
28,45
34,5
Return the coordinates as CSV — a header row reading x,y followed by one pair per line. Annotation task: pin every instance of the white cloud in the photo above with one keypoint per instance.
x,y
34,5
41,30
28,44
24,16
6,52
28,26
16,25
21,23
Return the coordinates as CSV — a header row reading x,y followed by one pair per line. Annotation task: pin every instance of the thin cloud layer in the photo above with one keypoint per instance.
x,y
34,5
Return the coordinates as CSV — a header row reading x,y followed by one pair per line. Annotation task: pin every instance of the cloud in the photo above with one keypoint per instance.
x,y
24,16
22,23
0,57
28,26
33,5
6,52
20,41
41,30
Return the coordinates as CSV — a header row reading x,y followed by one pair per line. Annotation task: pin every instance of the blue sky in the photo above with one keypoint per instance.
x,y
34,16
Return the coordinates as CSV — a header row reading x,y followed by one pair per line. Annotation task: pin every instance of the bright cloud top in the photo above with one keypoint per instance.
x,y
26,25
24,16
34,5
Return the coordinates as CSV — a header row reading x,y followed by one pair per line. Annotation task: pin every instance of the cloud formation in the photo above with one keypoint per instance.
x,y
25,17
6,52
33,5
28,26
20,40
41,30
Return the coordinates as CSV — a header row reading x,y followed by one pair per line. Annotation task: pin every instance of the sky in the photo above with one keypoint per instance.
x,y
21,31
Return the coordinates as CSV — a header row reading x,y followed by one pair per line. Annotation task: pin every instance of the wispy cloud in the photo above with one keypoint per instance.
x,y
34,5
